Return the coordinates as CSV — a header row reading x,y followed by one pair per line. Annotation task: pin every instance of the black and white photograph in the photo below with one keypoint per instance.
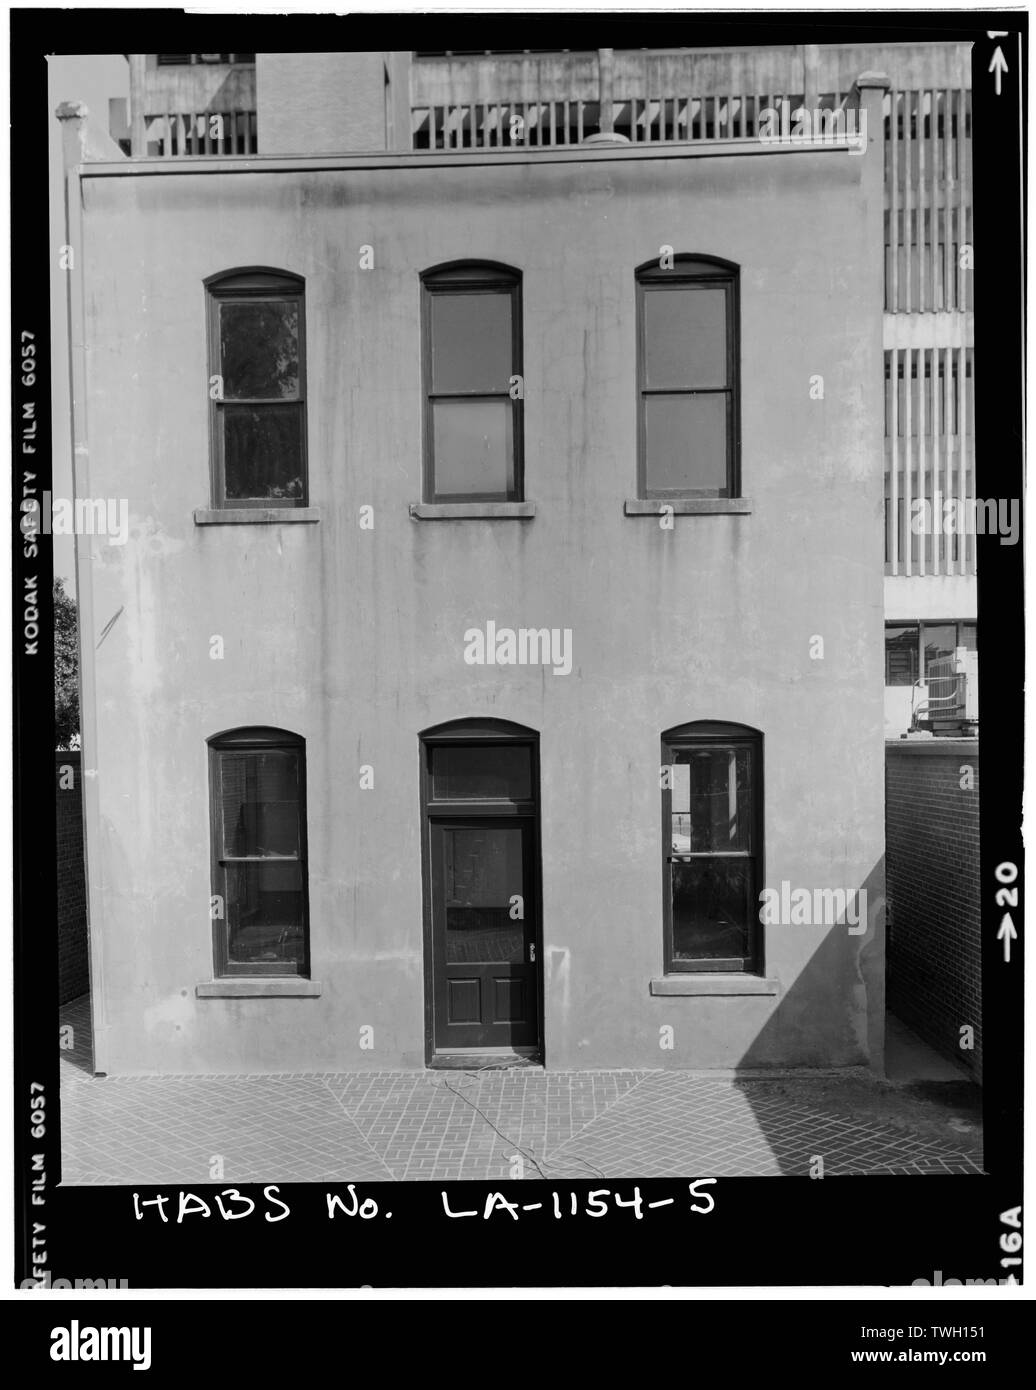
x,y
508,546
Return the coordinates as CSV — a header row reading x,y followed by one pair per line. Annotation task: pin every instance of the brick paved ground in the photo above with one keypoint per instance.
x,y
381,1126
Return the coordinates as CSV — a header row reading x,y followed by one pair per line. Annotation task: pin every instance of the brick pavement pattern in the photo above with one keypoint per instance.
x,y
442,1126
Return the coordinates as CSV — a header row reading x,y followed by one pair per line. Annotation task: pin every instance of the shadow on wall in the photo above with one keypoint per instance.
x,y
73,955
813,1021
76,1035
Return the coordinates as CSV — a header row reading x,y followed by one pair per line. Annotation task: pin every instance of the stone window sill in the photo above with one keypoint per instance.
x,y
259,987
253,516
454,511
713,984
688,506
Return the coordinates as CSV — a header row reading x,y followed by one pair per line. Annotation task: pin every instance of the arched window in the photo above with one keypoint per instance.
x,y
688,369
258,831
257,388
712,846
473,387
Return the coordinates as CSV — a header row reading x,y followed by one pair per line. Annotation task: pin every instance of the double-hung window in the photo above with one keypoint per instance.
x,y
688,363
257,389
712,826
258,834
473,386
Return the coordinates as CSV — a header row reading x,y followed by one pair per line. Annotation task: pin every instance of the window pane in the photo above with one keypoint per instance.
x,y
473,447
711,909
901,655
265,914
476,773
711,801
968,636
940,639
686,443
259,349
262,451
483,868
260,798
471,342
685,337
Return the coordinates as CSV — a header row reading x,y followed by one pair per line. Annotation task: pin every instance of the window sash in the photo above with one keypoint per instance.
x,y
654,281
222,301
752,960
271,409
224,864
217,432
459,280
917,647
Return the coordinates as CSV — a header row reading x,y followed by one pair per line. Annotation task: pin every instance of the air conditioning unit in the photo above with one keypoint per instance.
x,y
948,699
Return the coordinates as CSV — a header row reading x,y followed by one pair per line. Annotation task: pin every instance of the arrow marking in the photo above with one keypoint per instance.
x,y
997,66
1007,934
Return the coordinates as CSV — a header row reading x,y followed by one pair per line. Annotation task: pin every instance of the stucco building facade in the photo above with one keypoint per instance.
x,y
623,402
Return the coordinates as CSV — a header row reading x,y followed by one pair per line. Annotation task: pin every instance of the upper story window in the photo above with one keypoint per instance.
x,y
257,388
712,827
258,831
176,60
688,365
472,323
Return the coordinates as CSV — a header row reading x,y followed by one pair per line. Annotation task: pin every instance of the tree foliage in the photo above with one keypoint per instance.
x,y
66,667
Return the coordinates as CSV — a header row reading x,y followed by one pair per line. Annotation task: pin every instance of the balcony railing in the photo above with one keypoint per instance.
x,y
191,104
549,99
666,118
180,60
200,133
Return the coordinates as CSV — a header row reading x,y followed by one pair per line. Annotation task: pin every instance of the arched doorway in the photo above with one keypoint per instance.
x,y
481,853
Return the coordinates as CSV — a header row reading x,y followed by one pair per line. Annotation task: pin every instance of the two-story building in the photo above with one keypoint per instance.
x,y
501,621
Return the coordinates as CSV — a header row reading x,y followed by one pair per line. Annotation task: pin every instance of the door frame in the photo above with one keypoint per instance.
x,y
475,731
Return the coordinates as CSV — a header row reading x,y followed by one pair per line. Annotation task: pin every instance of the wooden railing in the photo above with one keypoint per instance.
x,y
192,108
498,101
666,118
201,133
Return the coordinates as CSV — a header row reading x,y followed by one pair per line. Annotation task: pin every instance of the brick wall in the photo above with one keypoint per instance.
x,y
73,971
932,877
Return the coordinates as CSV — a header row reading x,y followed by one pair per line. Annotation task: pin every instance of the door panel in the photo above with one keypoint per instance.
x,y
483,914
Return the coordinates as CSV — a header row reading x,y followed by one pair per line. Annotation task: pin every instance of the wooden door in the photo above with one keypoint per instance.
x,y
482,841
